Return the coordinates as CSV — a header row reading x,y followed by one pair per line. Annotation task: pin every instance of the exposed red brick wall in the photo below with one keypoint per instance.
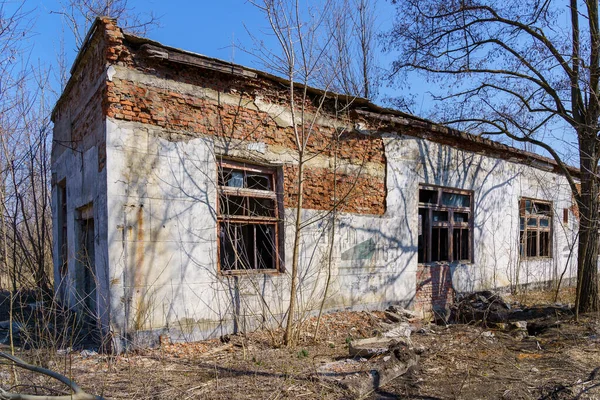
x,y
90,118
79,111
434,288
132,101
115,50
363,194
163,107
136,102
360,194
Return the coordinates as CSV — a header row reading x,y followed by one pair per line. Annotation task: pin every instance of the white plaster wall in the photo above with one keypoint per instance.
x,y
84,185
162,246
497,185
161,231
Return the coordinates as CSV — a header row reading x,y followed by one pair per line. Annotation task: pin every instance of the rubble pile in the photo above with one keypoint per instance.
x,y
484,306
490,310
377,360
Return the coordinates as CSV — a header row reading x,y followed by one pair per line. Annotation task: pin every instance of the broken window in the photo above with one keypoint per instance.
x,y
535,228
445,225
248,218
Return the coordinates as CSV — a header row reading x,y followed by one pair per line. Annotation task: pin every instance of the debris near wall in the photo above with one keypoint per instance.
x,y
376,361
467,361
491,310
484,306
361,376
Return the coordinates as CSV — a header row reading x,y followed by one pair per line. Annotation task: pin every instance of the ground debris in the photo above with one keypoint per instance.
x,y
370,347
396,314
491,310
361,376
457,361
482,306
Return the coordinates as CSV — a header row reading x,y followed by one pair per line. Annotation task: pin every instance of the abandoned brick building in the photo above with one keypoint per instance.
x,y
175,183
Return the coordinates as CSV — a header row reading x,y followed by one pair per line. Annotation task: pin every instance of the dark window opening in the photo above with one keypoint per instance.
x,y
461,217
440,216
246,246
544,244
532,237
423,214
85,274
233,205
445,225
249,225
428,196
456,200
461,244
265,244
543,208
439,243
261,207
258,182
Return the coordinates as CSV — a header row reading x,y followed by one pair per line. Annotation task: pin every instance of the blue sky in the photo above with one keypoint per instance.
x,y
205,27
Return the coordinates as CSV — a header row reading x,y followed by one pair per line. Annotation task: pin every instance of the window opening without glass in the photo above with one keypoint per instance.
x,y
445,225
248,218
535,221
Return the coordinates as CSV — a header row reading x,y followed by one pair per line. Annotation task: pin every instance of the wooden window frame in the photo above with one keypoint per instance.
x,y
450,224
524,228
275,222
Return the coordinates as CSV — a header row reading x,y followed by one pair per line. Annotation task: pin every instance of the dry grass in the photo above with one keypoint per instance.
x,y
566,295
459,362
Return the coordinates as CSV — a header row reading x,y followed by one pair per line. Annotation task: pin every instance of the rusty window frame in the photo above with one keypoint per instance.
x,y
427,226
254,221
525,228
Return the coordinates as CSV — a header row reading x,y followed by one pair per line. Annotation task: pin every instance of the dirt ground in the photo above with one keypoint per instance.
x,y
458,362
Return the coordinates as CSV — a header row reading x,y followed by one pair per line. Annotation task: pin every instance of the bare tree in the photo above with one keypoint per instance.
x,y
24,152
350,59
80,14
298,62
514,68
306,57
25,225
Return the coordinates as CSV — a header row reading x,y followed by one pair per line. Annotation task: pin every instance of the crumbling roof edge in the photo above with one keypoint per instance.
x,y
360,105
80,54
446,134
375,111
139,40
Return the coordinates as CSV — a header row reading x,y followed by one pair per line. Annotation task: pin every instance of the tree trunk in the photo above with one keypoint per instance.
x,y
289,329
587,279
587,262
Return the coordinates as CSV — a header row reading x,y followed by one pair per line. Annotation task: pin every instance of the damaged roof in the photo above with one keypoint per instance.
x,y
362,107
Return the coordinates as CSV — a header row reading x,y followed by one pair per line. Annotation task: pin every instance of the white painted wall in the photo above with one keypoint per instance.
x,y
497,185
161,235
85,185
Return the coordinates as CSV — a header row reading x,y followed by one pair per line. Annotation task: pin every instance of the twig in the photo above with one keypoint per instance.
x,y
78,393
217,350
